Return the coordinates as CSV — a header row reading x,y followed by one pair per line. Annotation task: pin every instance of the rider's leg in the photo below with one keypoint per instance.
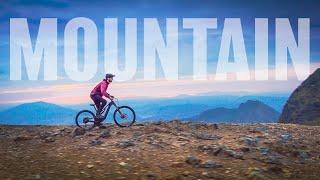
x,y
102,103
96,100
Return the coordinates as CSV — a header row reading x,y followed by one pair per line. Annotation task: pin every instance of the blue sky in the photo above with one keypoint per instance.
x,y
161,9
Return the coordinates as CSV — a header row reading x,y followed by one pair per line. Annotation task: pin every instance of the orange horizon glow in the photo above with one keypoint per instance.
x,y
77,93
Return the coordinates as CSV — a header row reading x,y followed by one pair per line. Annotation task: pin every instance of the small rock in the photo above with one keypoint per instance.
x,y
177,164
301,154
250,141
90,134
215,126
287,173
286,137
22,138
78,132
193,161
204,173
105,134
181,138
151,176
125,143
90,166
263,150
270,159
49,139
123,164
275,169
138,124
186,173
210,164
233,154
244,149
136,135
44,135
95,142
206,136
262,129
194,126
102,127
214,149
157,123
66,130
256,174
38,176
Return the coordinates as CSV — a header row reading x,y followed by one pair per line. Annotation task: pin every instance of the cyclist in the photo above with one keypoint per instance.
x,y
99,91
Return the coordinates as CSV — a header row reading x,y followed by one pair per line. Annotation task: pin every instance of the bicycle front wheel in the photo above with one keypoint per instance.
x,y
124,116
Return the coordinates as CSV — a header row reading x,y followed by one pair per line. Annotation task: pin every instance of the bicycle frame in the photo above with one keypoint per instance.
x,y
106,109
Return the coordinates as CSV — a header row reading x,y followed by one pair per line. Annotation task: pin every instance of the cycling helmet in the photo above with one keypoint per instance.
x,y
110,76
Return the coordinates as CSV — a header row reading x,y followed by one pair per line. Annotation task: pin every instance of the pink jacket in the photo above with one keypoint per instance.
x,y
101,89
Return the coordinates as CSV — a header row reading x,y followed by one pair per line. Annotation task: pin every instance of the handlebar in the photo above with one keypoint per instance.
x,y
116,101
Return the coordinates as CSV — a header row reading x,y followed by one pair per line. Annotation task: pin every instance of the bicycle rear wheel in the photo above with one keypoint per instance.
x,y
124,116
85,119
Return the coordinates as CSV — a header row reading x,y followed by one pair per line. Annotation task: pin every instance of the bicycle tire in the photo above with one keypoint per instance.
x,y
77,119
133,117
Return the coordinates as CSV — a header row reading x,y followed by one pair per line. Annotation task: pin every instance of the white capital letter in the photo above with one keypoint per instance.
x,y
232,33
45,48
299,53
200,26
261,49
167,52
111,48
90,63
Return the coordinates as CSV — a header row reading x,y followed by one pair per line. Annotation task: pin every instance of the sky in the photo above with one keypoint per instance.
x,y
66,91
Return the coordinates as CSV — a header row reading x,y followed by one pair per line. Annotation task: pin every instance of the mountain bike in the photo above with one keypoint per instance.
x,y
123,116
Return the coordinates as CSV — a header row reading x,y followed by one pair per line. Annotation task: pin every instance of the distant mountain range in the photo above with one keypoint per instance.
x,y
189,106
248,112
180,107
37,113
179,111
184,106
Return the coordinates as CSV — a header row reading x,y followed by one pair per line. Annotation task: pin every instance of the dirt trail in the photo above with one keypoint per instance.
x,y
172,150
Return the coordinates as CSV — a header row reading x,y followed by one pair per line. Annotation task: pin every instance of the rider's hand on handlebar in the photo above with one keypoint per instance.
x,y
111,97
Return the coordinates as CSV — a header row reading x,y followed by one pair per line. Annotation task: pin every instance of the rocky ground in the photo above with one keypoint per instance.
x,y
172,150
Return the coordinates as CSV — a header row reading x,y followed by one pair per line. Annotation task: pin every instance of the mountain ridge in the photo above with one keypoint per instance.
x,y
251,111
303,106
37,113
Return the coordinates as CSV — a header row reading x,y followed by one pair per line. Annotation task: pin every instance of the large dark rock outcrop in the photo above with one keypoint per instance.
x,y
303,106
